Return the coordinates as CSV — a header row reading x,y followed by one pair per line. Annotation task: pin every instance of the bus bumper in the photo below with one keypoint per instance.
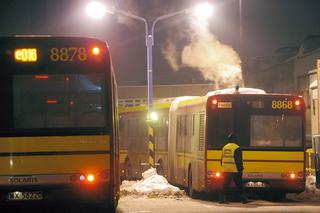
x,y
287,186
91,193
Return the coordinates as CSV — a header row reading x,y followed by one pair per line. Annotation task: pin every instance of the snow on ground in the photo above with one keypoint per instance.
x,y
156,186
311,192
152,185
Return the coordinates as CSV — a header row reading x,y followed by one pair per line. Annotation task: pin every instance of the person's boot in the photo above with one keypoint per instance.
x,y
244,199
222,199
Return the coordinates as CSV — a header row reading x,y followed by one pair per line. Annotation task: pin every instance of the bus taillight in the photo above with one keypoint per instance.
x,y
292,176
214,103
217,174
212,174
95,50
297,104
41,77
90,177
52,101
82,177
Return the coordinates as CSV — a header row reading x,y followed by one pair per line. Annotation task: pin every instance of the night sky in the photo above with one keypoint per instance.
x,y
267,26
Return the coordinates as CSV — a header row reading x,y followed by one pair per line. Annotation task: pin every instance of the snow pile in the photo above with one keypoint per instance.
x,y
311,192
152,185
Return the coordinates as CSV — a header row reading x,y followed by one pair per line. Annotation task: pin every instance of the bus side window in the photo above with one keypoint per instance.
x,y
201,131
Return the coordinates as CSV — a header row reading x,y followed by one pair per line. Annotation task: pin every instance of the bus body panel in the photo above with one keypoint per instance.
x,y
271,166
134,153
45,155
59,119
185,134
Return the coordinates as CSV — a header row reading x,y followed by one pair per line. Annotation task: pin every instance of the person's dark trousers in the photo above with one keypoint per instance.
x,y
237,178
227,178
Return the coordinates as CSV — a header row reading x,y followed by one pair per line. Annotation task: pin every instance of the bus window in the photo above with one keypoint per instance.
x,y
275,131
58,101
220,127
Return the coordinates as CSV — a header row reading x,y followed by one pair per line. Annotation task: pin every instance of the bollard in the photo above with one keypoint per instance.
x,y
151,145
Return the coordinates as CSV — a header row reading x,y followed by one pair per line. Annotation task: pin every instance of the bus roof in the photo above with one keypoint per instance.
x,y
240,91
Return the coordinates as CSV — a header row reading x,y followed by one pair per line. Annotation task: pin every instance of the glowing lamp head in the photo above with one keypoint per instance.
x,y
153,116
95,10
203,11
90,177
95,50
297,103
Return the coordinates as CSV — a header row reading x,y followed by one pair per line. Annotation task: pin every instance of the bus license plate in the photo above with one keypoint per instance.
x,y
17,196
255,184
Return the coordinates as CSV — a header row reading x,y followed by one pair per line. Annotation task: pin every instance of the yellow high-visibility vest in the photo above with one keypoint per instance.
x,y
228,162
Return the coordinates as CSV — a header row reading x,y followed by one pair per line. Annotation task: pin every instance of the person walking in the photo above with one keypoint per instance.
x,y
231,161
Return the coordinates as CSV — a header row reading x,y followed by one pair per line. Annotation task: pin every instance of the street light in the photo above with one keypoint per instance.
x,y
97,10
203,11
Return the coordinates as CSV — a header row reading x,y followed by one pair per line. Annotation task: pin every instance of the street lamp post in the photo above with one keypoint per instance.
x,y
150,43
97,10
149,39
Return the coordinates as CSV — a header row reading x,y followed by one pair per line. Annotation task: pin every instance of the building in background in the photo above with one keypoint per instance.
x,y
288,74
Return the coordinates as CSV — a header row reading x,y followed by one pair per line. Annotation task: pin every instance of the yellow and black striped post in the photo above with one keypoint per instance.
x,y
151,145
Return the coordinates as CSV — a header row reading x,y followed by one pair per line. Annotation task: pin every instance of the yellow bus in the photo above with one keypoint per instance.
x,y
133,131
271,129
58,135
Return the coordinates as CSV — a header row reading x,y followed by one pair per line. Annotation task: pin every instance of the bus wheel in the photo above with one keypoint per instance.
x,y
190,191
160,168
127,169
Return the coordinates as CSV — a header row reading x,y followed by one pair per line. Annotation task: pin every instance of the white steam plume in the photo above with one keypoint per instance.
x,y
217,62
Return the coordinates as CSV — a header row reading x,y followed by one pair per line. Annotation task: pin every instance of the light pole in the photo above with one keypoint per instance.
x,y
97,10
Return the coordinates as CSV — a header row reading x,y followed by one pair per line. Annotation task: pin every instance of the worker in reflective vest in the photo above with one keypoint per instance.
x,y
231,161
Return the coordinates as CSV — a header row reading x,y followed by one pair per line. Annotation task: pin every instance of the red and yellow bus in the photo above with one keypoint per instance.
x,y
58,135
271,129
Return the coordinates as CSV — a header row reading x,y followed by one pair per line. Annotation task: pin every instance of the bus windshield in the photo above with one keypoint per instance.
x,y
275,130
58,101
256,123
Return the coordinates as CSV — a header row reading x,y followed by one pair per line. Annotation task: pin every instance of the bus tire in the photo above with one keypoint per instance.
x,y
127,169
190,191
160,170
